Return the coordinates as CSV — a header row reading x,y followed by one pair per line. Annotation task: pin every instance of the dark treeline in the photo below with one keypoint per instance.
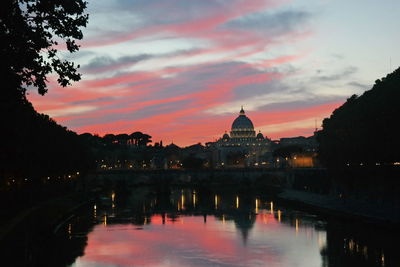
x,y
364,130
360,145
39,159
35,147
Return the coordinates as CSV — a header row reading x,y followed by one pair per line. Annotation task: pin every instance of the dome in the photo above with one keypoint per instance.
x,y
242,122
225,136
260,136
242,126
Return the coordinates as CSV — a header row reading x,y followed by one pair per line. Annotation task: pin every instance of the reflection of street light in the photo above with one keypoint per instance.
x,y
256,205
183,201
194,199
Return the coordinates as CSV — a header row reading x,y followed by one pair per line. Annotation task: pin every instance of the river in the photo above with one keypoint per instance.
x,y
207,227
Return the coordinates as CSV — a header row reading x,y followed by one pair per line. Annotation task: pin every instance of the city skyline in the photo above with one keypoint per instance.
x,y
180,70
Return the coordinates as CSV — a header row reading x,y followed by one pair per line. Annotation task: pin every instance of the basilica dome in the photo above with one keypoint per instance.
x,y
242,126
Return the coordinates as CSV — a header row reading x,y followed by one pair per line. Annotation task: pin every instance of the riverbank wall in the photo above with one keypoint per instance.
x,y
278,178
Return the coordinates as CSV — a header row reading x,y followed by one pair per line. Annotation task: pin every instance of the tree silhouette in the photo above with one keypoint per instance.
x,y
363,130
140,139
109,138
136,136
144,140
31,31
122,138
34,149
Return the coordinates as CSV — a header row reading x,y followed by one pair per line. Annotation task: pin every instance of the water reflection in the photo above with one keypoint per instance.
x,y
187,227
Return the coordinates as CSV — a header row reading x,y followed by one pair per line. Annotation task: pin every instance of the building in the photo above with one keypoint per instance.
x,y
309,144
241,147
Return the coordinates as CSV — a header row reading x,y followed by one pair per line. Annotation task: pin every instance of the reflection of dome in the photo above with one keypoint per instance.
x,y
244,223
242,126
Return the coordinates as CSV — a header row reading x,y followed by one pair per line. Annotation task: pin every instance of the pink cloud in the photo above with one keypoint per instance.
x,y
178,114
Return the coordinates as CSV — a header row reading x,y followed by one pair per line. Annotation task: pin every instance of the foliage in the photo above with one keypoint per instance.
x,y
140,139
34,146
363,130
31,32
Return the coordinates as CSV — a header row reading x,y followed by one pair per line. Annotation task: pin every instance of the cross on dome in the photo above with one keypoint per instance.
x,y
241,111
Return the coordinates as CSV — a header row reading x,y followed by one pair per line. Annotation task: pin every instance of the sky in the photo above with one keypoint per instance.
x,y
180,70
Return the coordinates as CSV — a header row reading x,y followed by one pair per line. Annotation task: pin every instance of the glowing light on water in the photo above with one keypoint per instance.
x,y
365,252
279,215
237,202
194,199
321,239
272,207
183,201
257,205
216,202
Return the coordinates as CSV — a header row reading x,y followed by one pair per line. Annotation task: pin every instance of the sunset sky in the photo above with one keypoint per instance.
x,y
180,70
